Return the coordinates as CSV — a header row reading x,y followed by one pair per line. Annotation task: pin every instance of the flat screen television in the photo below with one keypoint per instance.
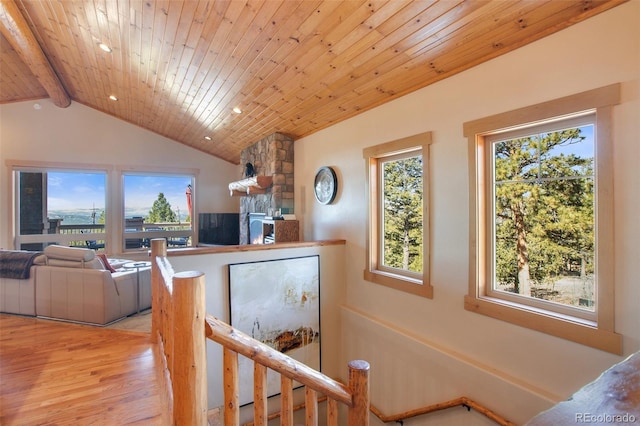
x,y
219,228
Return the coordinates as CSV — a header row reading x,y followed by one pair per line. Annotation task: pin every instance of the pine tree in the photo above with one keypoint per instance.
x,y
403,214
161,211
544,210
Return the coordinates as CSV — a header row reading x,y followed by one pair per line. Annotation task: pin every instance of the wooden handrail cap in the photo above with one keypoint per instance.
x,y
188,274
359,364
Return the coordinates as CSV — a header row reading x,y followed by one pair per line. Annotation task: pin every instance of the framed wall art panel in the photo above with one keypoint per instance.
x,y
278,303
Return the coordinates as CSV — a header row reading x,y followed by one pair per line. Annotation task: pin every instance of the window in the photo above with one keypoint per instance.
x,y
59,206
398,225
157,206
67,204
541,218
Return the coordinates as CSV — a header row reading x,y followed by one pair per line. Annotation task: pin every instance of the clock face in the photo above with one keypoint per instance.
x,y
326,185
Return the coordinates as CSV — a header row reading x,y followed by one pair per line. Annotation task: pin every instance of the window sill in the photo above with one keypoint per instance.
x,y
399,282
569,328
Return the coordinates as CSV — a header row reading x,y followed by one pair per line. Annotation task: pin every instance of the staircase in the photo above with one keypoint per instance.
x,y
180,326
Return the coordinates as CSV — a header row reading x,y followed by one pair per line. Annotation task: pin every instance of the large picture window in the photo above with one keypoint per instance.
x,y
541,201
59,206
157,206
397,242
543,222
101,208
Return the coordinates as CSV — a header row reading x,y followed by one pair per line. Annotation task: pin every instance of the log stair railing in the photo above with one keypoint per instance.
x,y
462,401
399,418
180,326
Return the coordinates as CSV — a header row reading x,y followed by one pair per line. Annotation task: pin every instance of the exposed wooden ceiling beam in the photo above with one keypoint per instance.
x,y
15,29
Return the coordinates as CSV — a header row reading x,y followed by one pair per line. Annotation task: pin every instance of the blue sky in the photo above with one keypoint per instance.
x,y
585,149
68,191
142,191
85,191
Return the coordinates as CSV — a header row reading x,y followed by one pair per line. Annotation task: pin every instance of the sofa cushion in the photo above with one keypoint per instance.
x,y
92,264
95,263
69,253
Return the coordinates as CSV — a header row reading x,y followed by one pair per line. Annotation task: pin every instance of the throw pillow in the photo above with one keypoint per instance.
x,y
105,262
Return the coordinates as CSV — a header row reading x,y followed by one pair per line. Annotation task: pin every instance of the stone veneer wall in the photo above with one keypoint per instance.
x,y
272,156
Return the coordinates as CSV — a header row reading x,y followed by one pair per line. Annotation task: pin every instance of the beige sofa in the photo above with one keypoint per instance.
x,y
17,296
72,284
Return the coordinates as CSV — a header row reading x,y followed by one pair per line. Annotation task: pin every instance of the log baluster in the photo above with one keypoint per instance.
x,y
260,415
332,412
311,407
231,395
286,401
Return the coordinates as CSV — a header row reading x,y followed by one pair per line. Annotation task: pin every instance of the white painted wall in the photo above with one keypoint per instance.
x,y
81,135
427,351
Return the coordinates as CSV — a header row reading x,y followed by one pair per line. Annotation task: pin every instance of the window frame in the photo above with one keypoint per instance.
x,y
45,238
407,281
600,332
576,120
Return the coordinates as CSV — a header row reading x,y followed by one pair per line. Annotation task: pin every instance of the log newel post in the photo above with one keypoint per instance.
x,y
358,414
189,349
158,248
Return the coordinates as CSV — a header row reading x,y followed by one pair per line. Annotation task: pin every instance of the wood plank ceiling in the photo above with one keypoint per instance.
x,y
178,68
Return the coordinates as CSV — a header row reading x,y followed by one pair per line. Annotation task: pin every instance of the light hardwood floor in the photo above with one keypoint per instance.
x,y
55,373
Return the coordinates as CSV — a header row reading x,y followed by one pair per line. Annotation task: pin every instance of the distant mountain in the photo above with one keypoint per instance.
x,y
75,217
85,216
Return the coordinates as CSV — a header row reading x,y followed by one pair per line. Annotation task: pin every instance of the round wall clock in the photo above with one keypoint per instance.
x,y
325,185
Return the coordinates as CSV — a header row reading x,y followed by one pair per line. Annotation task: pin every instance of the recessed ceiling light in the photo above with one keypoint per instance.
x,y
104,47
237,110
113,97
207,138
